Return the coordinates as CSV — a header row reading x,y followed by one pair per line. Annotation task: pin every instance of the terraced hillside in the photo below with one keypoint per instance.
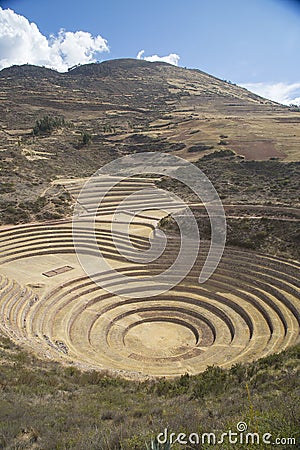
x,y
123,107
126,104
249,308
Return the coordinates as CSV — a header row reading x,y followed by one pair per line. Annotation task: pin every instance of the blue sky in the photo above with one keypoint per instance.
x,y
251,42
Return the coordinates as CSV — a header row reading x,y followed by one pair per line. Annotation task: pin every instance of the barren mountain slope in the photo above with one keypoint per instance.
x,y
123,106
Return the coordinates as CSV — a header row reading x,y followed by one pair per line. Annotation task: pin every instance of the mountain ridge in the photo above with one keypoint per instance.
x,y
105,68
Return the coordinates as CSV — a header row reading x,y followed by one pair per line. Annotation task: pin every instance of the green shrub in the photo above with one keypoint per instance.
x,y
219,154
85,138
200,148
48,124
213,381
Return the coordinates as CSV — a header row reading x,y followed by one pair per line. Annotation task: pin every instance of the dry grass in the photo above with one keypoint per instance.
x,y
47,406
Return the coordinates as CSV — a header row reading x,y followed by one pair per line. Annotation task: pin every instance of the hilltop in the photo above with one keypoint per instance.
x,y
120,107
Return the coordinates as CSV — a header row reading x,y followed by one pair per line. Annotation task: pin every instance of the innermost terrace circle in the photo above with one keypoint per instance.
x,y
160,338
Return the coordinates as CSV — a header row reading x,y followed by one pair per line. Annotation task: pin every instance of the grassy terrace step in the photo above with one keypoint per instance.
x,y
14,300
104,241
22,235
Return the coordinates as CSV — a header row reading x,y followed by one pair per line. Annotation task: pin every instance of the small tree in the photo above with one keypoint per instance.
x,y
85,138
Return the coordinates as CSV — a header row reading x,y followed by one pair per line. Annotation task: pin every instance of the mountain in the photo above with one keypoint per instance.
x,y
181,106
105,110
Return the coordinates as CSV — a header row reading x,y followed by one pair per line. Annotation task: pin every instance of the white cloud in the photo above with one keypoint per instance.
x,y
172,58
279,92
140,54
22,42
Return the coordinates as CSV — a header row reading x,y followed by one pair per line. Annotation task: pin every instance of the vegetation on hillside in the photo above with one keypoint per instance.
x,y
238,181
47,406
55,204
265,184
47,124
